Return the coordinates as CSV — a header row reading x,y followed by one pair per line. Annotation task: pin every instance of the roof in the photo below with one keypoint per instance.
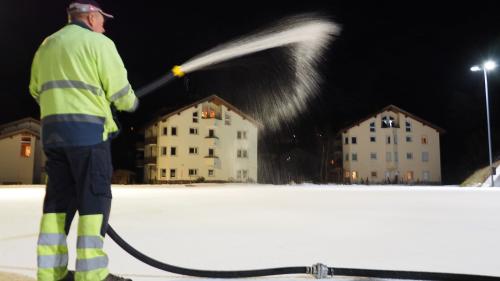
x,y
213,98
20,121
18,132
396,109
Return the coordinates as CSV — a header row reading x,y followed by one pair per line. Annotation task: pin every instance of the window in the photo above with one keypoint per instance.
x,y
373,139
172,173
424,139
354,175
195,117
347,174
346,140
211,133
26,147
238,174
426,176
388,156
408,139
210,152
409,175
193,150
227,118
388,122
395,139
193,172
242,153
374,174
241,135
409,155
210,111
388,140
372,127
408,126
211,173
163,173
244,173
354,157
373,156
173,151
173,131
396,157
163,150
347,157
165,131
425,156
354,140
193,131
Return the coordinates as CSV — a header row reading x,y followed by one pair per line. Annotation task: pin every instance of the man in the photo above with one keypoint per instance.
x,y
77,75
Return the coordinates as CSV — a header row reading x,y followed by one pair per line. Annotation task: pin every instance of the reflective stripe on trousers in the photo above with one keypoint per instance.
x,y
52,250
91,260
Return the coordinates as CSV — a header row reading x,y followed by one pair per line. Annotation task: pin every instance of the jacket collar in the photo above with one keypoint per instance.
x,y
81,24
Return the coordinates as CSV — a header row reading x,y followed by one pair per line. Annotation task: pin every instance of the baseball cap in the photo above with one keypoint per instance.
x,y
85,6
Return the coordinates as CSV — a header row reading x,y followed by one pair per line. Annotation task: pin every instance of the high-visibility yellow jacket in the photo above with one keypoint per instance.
x,y
76,76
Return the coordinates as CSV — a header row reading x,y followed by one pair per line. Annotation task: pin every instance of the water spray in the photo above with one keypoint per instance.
x,y
307,37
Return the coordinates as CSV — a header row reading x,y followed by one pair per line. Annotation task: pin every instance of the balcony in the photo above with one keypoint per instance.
x,y
213,161
151,140
151,160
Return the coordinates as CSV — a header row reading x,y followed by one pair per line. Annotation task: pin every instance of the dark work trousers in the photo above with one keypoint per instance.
x,y
79,180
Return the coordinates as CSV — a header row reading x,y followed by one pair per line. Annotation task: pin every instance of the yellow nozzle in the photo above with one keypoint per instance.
x,y
177,71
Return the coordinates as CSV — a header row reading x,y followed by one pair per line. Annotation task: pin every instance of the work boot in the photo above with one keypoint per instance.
x,y
69,277
112,277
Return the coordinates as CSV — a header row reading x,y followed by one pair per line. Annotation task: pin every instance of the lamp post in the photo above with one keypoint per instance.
x,y
487,66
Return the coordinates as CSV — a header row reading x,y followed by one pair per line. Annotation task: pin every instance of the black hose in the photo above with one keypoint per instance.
x,y
392,274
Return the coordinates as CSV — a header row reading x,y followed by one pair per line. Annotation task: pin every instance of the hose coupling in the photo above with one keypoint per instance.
x,y
177,71
319,271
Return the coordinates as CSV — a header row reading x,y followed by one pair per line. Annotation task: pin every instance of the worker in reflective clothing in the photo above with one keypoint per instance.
x,y
77,76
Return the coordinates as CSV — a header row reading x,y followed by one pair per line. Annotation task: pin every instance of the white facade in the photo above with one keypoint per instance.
x,y
22,159
209,139
392,146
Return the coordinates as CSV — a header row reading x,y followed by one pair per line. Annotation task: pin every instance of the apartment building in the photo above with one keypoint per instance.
x,y
22,158
391,146
209,140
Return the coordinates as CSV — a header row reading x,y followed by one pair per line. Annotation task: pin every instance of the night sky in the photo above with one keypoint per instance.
x,y
413,54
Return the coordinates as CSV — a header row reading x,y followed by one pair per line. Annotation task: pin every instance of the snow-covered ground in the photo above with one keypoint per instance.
x,y
496,179
228,227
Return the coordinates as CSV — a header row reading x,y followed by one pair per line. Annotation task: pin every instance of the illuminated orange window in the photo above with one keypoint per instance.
x,y
26,147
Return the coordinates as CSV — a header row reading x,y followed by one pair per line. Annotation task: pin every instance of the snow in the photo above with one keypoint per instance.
x,y
496,179
238,226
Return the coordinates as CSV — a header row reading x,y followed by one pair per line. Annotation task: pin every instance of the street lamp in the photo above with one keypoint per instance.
x,y
487,66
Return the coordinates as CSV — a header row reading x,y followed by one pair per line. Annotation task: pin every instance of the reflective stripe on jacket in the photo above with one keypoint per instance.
x,y
76,75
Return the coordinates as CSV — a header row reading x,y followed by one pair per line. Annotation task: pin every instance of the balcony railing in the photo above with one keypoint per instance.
x,y
151,140
150,160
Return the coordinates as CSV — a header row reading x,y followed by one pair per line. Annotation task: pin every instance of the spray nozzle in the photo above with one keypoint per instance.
x,y
177,71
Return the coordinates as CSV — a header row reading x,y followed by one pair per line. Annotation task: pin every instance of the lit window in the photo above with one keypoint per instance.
x,y
354,175
211,110
347,174
409,175
26,147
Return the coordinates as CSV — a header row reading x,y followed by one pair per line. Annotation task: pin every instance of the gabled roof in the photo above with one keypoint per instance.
x,y
395,109
213,98
20,121
20,131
